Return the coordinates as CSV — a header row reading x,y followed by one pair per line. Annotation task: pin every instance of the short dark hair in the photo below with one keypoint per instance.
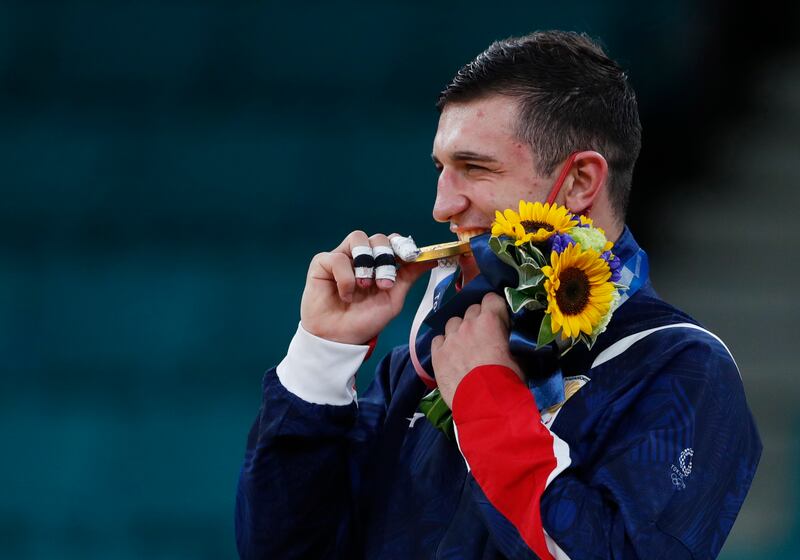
x,y
571,95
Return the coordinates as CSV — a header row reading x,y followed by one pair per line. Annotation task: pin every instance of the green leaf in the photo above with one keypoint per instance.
x,y
496,244
535,305
546,335
531,298
534,297
426,403
438,413
589,340
517,299
503,247
535,254
530,275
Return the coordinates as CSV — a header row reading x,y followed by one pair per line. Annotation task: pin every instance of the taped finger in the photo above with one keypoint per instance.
x,y
363,261
385,264
404,247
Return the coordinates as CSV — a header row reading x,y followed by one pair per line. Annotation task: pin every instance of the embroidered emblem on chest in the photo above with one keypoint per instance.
x,y
679,474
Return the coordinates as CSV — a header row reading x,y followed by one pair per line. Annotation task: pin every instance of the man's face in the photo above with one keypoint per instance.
x,y
482,166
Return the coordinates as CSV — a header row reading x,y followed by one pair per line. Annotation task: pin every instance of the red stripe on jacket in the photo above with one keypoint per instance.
x,y
509,450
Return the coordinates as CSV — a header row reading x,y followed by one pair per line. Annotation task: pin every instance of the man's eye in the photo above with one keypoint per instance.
x,y
473,167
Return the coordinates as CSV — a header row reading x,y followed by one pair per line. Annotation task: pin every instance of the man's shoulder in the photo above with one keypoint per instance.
x,y
647,330
645,310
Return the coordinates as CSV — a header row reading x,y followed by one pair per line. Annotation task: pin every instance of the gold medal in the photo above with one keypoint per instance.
x,y
442,251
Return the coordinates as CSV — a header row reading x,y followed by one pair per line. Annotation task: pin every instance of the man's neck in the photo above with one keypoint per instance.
x,y
614,232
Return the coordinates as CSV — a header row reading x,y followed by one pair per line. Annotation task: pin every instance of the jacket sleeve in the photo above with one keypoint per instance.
x,y
677,458
295,493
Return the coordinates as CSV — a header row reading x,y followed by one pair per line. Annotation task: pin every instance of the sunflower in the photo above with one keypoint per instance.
x,y
536,222
579,294
507,223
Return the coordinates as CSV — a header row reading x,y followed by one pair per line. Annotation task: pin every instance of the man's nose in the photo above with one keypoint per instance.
x,y
450,199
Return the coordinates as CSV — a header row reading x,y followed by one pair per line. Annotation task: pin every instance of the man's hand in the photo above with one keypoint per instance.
x,y
338,306
480,338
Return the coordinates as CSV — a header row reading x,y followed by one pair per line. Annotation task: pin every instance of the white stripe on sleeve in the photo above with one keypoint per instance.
x,y
561,453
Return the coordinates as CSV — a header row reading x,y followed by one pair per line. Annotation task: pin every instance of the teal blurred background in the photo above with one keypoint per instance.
x,y
169,168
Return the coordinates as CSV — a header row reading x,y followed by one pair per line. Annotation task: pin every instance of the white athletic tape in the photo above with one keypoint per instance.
x,y
405,248
386,272
361,250
379,250
365,254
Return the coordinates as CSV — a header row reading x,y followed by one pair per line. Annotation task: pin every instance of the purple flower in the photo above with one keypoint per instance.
x,y
561,241
583,221
614,264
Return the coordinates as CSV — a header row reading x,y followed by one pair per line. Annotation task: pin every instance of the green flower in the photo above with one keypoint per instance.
x,y
601,326
589,238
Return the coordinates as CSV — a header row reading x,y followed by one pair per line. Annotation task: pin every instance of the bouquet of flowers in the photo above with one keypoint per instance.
x,y
566,267
567,271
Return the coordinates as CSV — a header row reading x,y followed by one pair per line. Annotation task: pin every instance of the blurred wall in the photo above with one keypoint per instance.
x,y
168,170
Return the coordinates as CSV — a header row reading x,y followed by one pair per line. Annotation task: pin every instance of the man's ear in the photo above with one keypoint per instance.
x,y
585,182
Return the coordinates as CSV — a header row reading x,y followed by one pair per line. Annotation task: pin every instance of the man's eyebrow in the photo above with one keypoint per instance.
x,y
463,155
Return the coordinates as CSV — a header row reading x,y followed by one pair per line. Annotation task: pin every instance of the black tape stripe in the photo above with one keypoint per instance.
x,y
364,261
385,260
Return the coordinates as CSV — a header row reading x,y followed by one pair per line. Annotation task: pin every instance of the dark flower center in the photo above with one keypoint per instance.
x,y
533,226
573,292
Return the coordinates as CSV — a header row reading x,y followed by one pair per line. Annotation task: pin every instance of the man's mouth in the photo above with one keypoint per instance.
x,y
467,234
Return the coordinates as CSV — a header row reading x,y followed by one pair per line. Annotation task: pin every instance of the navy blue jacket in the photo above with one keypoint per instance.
x,y
650,457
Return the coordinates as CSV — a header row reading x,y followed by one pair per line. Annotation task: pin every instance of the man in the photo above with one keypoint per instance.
x,y
652,456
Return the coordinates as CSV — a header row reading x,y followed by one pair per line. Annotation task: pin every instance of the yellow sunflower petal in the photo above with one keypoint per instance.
x,y
592,314
574,325
524,213
586,324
